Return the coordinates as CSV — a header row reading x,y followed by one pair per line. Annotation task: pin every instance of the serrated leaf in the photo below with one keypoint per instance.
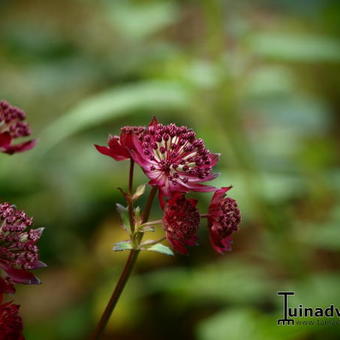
x,y
139,191
123,245
160,248
124,215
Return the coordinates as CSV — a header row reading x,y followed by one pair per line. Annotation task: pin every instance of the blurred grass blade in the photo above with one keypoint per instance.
x,y
293,47
113,103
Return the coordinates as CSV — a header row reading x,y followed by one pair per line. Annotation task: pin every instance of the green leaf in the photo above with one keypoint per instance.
x,y
160,248
124,215
114,103
123,245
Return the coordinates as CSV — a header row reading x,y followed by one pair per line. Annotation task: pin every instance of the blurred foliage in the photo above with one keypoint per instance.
x,y
258,80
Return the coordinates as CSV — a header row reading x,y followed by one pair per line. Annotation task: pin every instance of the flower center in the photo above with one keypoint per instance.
x,y
175,152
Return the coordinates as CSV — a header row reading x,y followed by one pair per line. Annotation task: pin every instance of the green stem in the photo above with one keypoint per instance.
x,y
116,294
132,164
148,205
125,273
146,213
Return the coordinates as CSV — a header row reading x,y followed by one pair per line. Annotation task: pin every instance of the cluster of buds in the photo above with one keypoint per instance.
x,y
18,245
11,326
12,126
177,163
19,253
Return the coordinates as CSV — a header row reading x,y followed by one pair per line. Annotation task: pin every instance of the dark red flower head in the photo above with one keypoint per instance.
x,y
181,221
12,126
18,250
223,219
173,158
11,326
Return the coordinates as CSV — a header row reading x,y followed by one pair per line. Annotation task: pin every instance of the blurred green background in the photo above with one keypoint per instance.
x,y
258,80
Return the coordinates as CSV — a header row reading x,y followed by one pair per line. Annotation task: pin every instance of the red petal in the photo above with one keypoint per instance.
x,y
21,276
119,149
199,187
221,246
5,139
117,153
219,194
11,149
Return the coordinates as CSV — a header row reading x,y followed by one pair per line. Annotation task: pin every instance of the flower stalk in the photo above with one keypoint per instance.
x,y
116,294
136,237
129,198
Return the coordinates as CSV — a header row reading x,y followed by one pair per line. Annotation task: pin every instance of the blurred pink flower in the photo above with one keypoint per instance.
x,y
223,219
11,327
181,221
18,250
12,126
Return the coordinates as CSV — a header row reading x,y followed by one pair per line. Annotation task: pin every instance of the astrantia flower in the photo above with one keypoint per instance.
x,y
12,126
117,145
181,221
11,327
172,157
18,250
223,219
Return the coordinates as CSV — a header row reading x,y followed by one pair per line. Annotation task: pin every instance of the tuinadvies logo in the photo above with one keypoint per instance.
x,y
301,311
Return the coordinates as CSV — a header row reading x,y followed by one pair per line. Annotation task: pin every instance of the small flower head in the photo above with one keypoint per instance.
x,y
11,326
223,219
172,157
181,221
12,126
18,250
